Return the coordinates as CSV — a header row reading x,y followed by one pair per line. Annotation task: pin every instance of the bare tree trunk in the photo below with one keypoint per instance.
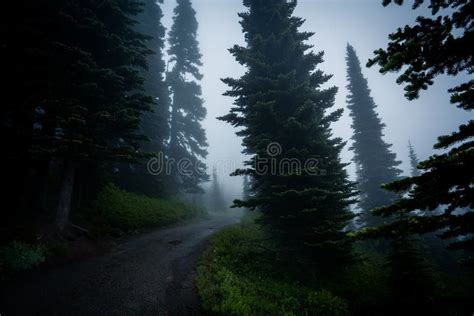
x,y
65,195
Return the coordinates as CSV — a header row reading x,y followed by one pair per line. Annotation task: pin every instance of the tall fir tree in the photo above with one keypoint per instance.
x,y
188,140
433,46
376,164
413,161
154,124
281,111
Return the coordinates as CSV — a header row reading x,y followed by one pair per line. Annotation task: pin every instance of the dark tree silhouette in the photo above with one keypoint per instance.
x,y
155,123
86,97
187,138
281,110
433,46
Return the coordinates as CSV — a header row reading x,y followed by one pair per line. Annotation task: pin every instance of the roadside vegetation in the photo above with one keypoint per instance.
x,y
240,274
118,212
115,213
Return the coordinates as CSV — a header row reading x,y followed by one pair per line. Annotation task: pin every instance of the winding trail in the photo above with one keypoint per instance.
x,y
152,274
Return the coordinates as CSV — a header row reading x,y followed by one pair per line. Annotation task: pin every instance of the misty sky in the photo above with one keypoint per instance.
x,y
363,23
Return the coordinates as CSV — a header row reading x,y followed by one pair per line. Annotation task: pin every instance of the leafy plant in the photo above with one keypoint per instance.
x,y
232,280
18,256
324,303
119,211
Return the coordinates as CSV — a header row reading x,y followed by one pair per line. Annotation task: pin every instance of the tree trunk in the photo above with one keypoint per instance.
x,y
40,186
65,195
173,131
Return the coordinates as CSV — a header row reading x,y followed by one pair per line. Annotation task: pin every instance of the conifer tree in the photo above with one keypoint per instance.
x,y
413,161
154,124
376,164
281,111
412,277
24,55
188,140
102,102
433,46
85,98
217,202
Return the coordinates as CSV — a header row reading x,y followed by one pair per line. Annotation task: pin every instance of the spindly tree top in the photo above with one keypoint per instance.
x,y
376,164
184,49
413,161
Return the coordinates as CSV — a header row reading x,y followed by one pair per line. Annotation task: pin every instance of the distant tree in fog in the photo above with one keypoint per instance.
x,y
376,164
216,199
413,161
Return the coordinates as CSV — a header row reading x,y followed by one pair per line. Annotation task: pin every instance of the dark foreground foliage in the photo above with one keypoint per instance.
x,y
240,275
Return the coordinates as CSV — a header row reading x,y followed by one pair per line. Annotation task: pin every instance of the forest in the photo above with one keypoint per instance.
x,y
237,157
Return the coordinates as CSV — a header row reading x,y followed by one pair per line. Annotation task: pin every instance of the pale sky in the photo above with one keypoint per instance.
x,y
365,24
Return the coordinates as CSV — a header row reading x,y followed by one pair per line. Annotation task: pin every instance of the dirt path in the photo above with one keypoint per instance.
x,y
148,275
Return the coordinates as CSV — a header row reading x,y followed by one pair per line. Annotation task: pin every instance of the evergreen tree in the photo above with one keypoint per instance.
x,y
376,164
412,277
24,55
281,111
433,46
154,124
86,91
413,161
216,199
187,141
102,103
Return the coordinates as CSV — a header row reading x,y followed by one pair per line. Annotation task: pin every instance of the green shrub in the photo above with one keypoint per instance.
x,y
324,303
364,284
232,280
225,292
18,256
118,211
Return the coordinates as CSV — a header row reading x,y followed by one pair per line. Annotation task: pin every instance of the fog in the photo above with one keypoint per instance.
x,y
365,24
117,172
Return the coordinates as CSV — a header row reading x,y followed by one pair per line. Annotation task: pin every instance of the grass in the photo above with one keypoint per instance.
x,y
119,212
235,278
239,275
